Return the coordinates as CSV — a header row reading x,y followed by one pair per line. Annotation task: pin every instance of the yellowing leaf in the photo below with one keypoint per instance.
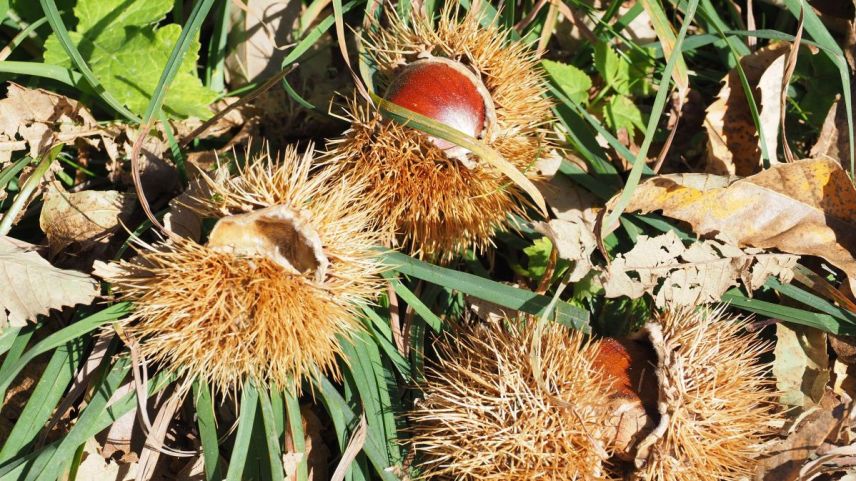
x,y
803,208
30,285
733,140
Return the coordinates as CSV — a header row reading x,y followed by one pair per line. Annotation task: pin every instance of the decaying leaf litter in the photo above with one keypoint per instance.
x,y
269,331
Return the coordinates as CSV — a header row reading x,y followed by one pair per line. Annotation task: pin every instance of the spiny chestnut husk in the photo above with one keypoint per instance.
x,y
686,399
437,199
717,402
268,295
485,415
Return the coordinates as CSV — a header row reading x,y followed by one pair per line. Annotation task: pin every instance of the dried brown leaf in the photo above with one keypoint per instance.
x,y
734,143
801,367
801,208
32,286
782,460
684,276
37,118
87,217
260,29
833,141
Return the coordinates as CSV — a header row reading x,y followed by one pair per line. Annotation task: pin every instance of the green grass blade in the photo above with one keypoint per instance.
x,y
207,424
63,336
483,151
44,398
10,172
824,322
44,70
246,418
812,300
410,298
49,468
7,338
215,72
382,335
29,187
656,111
173,64
272,437
304,45
55,20
16,470
362,374
344,416
12,363
815,28
748,92
491,291
295,426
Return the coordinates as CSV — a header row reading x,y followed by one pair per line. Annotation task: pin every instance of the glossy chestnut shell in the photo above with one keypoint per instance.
x,y
443,90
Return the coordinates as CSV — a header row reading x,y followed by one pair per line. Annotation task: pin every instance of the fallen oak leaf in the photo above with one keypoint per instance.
x,y
802,208
32,286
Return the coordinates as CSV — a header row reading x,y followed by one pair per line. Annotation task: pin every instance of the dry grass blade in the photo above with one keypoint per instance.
x,y
355,445
790,66
154,445
547,28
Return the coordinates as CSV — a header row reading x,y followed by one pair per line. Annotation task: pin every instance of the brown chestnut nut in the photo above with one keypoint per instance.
x,y
445,91
630,366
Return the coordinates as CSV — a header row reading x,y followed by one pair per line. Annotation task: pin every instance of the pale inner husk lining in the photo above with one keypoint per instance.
x,y
278,233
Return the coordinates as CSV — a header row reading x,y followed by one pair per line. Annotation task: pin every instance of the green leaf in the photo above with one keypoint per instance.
x,y
573,81
642,64
539,256
123,46
620,112
614,69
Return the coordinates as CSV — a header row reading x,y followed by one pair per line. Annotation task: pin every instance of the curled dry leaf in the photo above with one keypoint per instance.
x,y
692,275
572,231
34,119
32,286
833,140
87,217
734,144
782,460
801,367
802,208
